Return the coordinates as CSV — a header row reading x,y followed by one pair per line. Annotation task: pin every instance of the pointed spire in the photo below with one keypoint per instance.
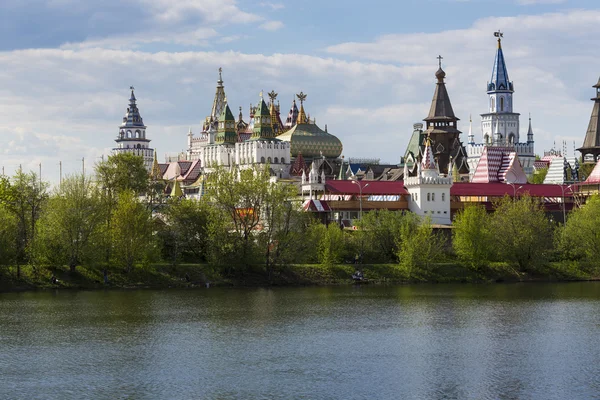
x,y
441,108
132,116
155,174
220,99
471,137
428,162
302,115
262,122
530,131
497,134
226,129
499,80
292,117
176,191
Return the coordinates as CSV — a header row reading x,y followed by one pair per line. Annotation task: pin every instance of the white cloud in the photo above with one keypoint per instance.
x,y
65,104
535,2
271,25
211,11
272,6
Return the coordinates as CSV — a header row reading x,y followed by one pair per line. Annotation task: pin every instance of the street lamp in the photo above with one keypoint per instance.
x,y
360,189
562,190
514,188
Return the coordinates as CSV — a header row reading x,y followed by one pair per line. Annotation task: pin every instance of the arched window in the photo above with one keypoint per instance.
x,y
269,160
493,104
501,103
139,146
262,160
276,160
129,134
138,134
511,138
282,160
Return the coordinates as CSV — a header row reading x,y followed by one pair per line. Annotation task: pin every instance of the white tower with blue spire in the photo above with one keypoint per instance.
x,y
500,126
132,134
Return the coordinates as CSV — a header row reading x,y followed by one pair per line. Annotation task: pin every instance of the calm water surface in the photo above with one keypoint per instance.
x,y
525,341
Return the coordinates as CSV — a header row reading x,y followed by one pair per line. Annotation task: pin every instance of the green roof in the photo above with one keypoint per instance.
x,y
312,141
226,115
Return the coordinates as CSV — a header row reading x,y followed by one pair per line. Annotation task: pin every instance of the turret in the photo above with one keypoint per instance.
x,y
262,122
226,132
471,137
530,132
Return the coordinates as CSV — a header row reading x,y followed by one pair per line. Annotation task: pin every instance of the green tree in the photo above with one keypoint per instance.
x,y
131,231
278,212
8,237
523,234
121,172
418,245
70,223
185,230
472,237
378,235
23,196
239,195
539,176
579,239
330,243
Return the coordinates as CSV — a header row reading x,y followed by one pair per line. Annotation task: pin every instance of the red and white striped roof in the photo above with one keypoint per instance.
x,y
499,164
428,159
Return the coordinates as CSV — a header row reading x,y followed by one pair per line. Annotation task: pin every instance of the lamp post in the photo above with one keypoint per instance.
x,y
514,189
360,189
562,190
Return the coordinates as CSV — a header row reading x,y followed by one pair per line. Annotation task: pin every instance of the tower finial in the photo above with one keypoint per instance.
x,y
220,71
131,88
440,58
499,35
301,96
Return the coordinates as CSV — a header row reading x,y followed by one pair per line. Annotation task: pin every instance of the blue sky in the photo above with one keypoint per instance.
x,y
66,65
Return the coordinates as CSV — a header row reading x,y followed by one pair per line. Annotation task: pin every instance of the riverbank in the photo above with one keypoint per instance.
x,y
199,275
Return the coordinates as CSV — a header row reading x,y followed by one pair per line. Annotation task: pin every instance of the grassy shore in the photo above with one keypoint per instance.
x,y
197,275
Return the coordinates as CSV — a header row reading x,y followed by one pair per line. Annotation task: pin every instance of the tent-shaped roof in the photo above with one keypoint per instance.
x,y
594,178
499,164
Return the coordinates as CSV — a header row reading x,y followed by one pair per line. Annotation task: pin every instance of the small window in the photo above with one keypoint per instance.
x,y
262,160
443,196
432,196
501,103
428,196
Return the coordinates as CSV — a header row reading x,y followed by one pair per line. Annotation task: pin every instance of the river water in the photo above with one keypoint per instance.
x,y
513,341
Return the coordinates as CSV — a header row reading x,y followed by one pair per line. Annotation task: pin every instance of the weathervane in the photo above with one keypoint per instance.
x,y
498,34
301,96
440,58
131,88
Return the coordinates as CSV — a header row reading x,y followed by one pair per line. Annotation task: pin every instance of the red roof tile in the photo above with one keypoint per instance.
x,y
374,187
500,189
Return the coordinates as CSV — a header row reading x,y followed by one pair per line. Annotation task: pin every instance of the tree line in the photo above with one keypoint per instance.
x,y
246,221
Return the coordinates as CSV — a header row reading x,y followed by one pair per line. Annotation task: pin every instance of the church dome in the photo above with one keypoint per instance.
x,y
311,141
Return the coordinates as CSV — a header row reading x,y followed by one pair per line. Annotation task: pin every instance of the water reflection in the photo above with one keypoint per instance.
x,y
417,342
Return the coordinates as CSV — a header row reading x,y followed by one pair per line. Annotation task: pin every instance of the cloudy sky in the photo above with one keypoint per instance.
x,y
367,67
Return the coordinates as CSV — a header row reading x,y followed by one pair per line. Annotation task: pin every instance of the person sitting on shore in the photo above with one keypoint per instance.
x,y
53,279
